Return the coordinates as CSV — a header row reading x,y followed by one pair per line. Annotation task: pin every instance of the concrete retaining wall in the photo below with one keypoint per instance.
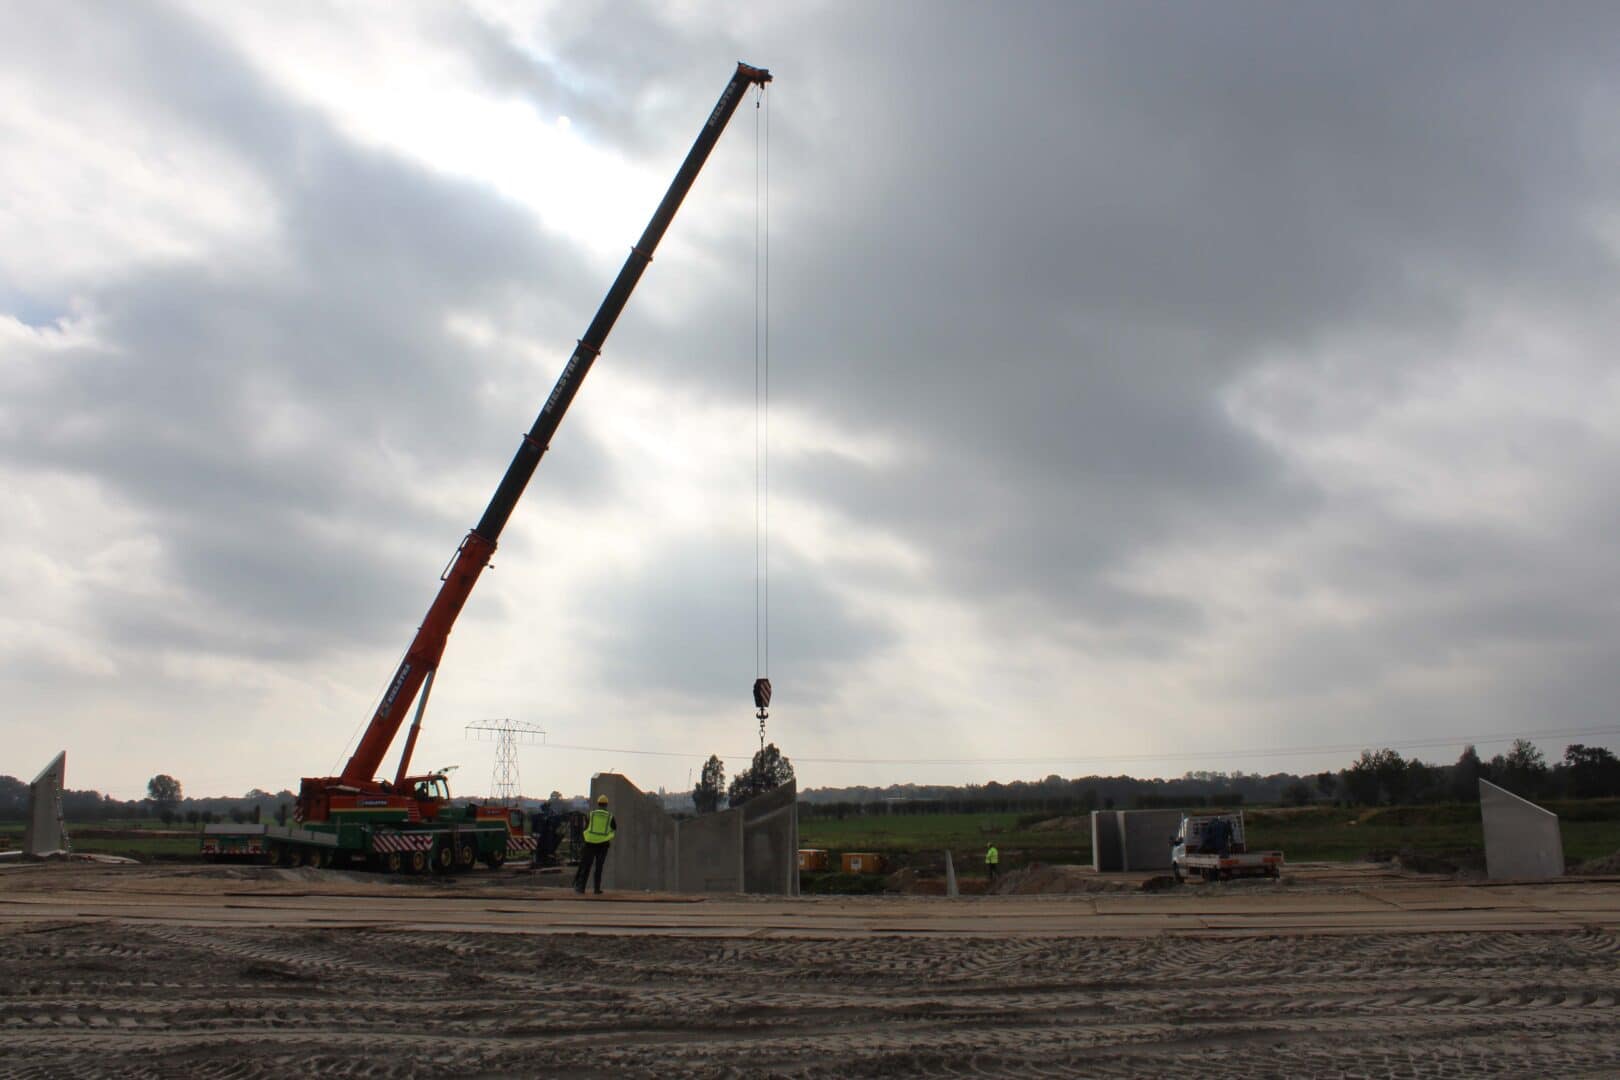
x,y
1521,839
711,853
752,848
770,842
643,855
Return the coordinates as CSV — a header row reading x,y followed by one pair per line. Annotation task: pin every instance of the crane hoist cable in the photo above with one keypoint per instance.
x,y
762,410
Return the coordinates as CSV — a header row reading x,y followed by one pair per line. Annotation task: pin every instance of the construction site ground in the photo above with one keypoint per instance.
x,y
1352,970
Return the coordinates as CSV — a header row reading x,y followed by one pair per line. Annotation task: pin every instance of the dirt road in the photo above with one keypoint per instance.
x,y
170,973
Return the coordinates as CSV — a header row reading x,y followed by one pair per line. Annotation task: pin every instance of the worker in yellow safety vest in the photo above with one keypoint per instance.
x,y
599,830
992,860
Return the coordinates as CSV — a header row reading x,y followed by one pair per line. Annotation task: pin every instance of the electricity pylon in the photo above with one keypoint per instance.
x,y
505,787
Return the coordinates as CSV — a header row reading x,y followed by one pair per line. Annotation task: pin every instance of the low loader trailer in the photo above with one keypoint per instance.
x,y
376,833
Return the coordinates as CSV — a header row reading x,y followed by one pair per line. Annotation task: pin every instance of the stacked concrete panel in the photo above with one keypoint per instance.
x,y
1521,839
752,848
44,833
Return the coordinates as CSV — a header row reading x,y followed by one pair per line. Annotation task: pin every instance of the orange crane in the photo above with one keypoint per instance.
x,y
358,812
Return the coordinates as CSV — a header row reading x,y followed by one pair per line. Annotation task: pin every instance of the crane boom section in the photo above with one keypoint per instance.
x,y
474,554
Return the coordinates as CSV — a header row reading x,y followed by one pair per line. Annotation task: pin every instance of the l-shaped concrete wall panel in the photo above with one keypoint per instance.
x,y
1521,839
711,852
43,834
770,842
643,855
1145,838
1107,855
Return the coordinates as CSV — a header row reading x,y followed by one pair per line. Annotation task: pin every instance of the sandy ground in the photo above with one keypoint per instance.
x,y
208,972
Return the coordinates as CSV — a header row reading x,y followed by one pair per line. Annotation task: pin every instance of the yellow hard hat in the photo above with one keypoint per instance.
x,y
601,800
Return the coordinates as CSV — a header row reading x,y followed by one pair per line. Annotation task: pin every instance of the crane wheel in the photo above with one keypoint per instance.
x,y
444,857
495,859
391,862
323,858
466,856
416,862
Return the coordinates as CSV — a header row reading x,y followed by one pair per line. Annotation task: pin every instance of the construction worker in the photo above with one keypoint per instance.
x,y
599,830
992,860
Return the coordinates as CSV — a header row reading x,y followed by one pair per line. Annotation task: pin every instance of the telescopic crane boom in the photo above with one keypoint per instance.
x,y
415,673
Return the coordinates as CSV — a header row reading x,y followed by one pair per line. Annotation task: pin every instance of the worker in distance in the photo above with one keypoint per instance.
x,y
599,831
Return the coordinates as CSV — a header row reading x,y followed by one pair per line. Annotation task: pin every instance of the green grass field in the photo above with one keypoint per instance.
x,y
176,841
1450,831
1319,833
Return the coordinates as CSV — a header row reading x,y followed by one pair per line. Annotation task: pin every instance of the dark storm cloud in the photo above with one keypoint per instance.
x,y
1038,243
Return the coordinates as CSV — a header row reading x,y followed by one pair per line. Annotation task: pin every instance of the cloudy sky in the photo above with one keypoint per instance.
x,y
1154,387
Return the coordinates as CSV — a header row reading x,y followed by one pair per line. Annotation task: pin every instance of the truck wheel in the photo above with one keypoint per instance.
x,y
495,859
323,858
416,862
466,856
391,862
444,857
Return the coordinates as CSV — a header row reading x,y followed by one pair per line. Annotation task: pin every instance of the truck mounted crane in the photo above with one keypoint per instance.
x,y
403,823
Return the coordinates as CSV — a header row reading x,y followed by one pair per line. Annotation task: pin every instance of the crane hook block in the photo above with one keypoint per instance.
x,y
762,695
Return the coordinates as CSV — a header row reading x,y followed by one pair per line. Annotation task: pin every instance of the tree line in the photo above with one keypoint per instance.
x,y
165,799
1376,777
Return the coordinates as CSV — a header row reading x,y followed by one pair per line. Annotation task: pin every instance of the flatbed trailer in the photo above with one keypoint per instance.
x,y
1215,848
1222,867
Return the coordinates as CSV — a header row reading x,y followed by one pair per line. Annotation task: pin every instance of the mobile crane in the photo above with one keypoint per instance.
x,y
404,823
